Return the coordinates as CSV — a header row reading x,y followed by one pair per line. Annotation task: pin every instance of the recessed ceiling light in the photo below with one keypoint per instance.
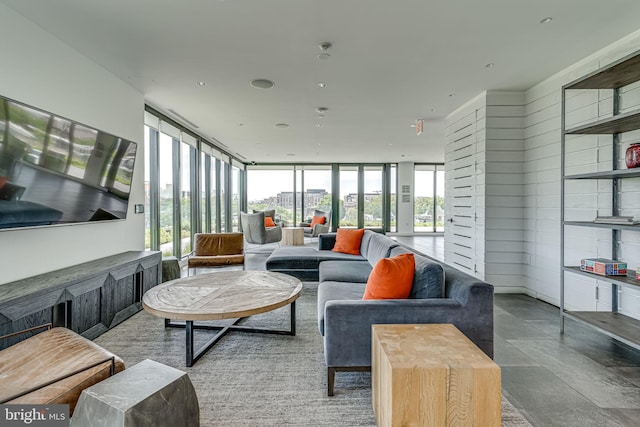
x,y
281,125
325,46
390,144
240,124
322,84
490,65
262,84
321,109
546,20
318,125
452,94
202,83
433,109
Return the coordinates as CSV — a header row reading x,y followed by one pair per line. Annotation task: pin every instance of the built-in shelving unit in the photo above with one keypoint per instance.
x,y
621,73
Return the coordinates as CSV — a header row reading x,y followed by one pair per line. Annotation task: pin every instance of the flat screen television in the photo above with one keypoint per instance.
x,y
57,171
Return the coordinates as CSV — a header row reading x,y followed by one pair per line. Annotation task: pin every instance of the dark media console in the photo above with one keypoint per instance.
x,y
88,298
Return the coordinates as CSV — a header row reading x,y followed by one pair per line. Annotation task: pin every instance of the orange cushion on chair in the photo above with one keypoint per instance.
x,y
318,219
391,278
348,241
268,222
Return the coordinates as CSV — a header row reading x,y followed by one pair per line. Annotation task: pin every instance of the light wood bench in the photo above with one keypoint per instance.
x,y
53,366
432,375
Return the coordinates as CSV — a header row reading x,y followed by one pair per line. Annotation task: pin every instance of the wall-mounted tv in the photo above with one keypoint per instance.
x,y
56,171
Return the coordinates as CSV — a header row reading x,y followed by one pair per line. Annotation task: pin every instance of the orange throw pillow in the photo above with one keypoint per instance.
x,y
348,241
318,219
268,222
391,278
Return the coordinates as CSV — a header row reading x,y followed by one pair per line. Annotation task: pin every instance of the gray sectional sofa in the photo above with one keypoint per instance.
x,y
440,294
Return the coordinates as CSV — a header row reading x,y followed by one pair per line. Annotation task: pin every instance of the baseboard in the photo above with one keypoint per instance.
x,y
511,290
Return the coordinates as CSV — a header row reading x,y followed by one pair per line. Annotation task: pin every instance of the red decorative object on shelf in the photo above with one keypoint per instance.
x,y
632,156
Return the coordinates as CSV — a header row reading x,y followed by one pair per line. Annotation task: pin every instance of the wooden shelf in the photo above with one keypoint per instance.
x,y
619,173
603,225
621,123
616,75
629,280
623,328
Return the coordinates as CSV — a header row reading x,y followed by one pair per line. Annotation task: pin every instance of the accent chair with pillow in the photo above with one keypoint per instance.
x,y
320,223
255,229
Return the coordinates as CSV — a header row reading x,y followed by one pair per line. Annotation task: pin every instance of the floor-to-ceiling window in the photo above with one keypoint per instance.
x,y
225,205
428,203
149,134
188,187
188,153
440,198
393,203
373,196
165,185
271,187
315,184
235,196
348,215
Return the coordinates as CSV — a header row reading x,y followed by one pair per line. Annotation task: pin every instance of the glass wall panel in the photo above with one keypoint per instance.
x,y
348,215
271,188
147,188
235,197
185,197
393,188
317,190
203,193
213,195
440,177
224,167
373,196
423,207
166,193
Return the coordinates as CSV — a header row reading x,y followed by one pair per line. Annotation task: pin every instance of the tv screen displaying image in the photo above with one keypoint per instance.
x,y
56,171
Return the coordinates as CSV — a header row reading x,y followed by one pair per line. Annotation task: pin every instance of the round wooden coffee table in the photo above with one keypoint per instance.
x,y
222,295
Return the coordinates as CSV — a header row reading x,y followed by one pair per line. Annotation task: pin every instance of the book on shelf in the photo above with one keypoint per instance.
x,y
622,220
604,266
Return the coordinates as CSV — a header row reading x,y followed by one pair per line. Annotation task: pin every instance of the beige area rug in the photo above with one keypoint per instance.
x,y
258,379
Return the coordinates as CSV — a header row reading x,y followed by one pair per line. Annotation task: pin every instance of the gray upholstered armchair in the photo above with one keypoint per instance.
x,y
317,228
255,231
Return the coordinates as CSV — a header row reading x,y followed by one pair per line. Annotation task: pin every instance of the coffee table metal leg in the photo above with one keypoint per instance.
x,y
193,356
292,313
189,342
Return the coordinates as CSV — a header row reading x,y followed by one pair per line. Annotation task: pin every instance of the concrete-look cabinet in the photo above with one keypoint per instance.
x,y
88,298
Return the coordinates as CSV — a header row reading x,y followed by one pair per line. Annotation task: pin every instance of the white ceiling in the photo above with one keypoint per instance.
x,y
391,63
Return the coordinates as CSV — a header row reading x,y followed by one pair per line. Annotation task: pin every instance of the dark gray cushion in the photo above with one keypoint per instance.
x,y
340,271
429,277
295,257
332,291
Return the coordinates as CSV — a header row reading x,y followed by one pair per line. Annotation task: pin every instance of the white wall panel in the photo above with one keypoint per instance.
x,y
41,71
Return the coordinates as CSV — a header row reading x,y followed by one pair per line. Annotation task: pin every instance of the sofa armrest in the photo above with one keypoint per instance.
x,y
326,241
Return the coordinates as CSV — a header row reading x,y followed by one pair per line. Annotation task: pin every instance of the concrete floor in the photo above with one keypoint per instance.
x,y
582,378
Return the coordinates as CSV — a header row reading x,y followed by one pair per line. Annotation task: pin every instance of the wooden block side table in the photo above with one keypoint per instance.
x,y
292,236
432,375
